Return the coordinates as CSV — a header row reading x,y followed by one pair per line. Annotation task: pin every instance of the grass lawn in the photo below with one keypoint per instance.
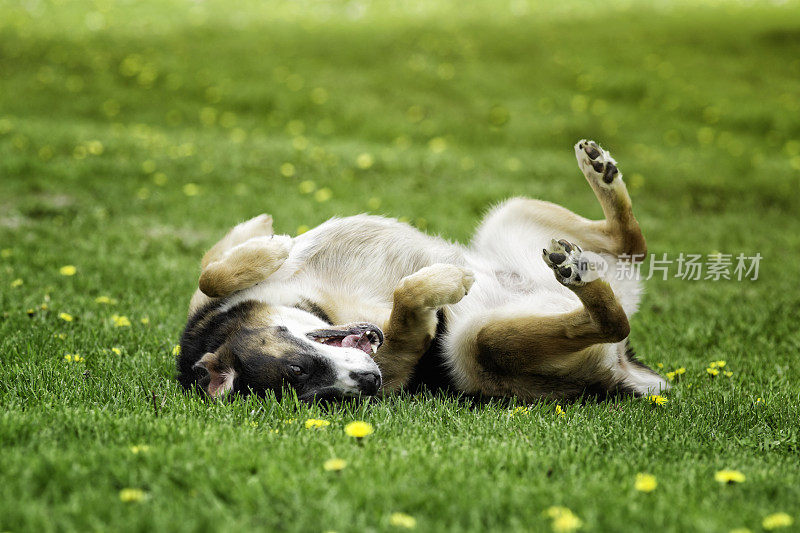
x,y
134,134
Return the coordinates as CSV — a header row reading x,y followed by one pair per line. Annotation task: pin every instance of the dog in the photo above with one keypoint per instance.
x,y
366,304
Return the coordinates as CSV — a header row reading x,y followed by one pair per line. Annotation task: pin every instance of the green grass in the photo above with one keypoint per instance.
x,y
108,111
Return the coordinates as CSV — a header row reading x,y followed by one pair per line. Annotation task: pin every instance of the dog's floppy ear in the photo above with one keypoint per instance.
x,y
221,374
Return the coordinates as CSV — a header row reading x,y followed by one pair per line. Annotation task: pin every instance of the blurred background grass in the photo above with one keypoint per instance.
x,y
134,134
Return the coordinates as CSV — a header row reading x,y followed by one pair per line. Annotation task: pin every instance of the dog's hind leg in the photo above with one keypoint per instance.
x,y
412,323
618,234
513,343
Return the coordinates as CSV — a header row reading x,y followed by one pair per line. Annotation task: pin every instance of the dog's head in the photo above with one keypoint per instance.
x,y
293,348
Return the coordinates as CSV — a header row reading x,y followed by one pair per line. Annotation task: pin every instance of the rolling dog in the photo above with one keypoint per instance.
x,y
365,304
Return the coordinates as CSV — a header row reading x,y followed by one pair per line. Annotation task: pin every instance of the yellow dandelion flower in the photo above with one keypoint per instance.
x,y
334,465
364,161
67,270
44,307
191,189
116,351
121,321
60,336
144,321
403,520
712,364
253,424
104,300
729,476
287,170
30,311
776,520
660,365
680,371
176,350
289,421
323,195
68,358
307,187
564,520
312,423
437,145
657,399
645,483
66,317
131,495
560,411
759,400
16,283
358,429
140,448
671,376
712,371
728,373
302,228
721,364
567,522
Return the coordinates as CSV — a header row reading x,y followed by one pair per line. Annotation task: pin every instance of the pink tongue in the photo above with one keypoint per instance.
x,y
357,341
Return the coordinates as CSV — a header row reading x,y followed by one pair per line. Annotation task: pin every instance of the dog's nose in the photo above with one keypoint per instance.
x,y
368,382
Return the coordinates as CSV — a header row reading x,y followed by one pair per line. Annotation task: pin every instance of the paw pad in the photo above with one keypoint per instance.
x,y
596,163
563,256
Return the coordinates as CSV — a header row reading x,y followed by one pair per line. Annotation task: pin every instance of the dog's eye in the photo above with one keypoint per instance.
x,y
297,371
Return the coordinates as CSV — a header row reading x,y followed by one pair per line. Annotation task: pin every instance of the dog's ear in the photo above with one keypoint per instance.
x,y
220,374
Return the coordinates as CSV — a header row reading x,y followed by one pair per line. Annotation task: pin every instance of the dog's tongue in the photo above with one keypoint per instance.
x,y
358,341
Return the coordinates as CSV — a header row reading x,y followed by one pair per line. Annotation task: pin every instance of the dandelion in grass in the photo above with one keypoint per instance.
x,y
121,321
66,317
777,520
680,371
145,321
358,429
104,300
560,411
131,495
67,270
645,483
364,161
759,401
563,519
334,465
729,477
316,423
517,410
712,371
30,312
657,399
140,448
403,520
116,351
728,373
16,283
176,350
74,358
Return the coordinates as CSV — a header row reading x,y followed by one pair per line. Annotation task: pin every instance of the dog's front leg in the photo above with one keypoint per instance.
x,y
412,323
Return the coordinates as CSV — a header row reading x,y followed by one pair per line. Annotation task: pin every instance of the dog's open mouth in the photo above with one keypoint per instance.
x,y
365,337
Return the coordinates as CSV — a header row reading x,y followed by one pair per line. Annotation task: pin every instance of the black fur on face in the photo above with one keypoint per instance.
x,y
271,359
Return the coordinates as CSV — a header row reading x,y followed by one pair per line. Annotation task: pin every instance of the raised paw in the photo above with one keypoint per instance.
x,y
267,252
564,258
597,164
436,285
